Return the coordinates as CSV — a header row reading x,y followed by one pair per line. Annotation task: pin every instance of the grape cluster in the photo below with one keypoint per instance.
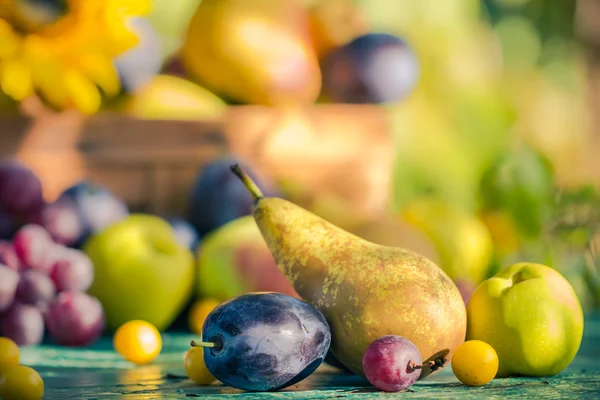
x,y
42,285
42,282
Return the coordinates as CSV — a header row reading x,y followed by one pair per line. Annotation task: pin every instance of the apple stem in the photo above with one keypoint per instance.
x,y
248,182
194,343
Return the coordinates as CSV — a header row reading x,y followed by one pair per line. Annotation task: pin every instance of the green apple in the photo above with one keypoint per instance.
x,y
141,271
235,259
531,316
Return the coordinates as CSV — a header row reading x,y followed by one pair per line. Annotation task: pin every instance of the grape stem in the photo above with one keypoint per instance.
x,y
433,365
194,343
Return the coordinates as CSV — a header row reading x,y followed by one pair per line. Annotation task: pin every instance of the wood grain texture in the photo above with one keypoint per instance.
x,y
99,373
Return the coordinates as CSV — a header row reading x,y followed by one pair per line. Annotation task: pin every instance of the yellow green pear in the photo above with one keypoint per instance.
x,y
364,290
531,316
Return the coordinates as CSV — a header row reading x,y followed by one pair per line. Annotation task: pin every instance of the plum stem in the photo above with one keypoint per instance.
x,y
194,343
248,182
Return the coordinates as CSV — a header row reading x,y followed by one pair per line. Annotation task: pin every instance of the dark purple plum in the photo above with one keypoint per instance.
x,y
63,221
373,68
219,196
138,65
97,207
75,319
23,323
9,279
264,341
392,363
20,189
185,232
36,289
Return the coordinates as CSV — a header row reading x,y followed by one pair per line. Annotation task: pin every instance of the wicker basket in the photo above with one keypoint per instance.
x,y
339,152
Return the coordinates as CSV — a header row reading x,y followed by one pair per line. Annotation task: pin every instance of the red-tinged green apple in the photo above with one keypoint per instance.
x,y
141,271
234,260
531,316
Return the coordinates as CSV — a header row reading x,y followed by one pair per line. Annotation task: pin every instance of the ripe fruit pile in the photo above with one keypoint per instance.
x,y
42,285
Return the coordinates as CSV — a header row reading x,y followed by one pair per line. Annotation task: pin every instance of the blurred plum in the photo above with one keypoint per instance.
x,y
20,189
97,207
371,69
219,197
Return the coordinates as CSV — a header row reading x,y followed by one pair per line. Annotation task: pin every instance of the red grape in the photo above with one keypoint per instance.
x,y
20,189
31,243
8,256
63,221
72,270
23,324
75,319
9,279
35,288
389,363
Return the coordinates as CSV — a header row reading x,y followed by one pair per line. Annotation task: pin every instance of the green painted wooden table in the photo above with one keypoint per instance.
x,y
99,373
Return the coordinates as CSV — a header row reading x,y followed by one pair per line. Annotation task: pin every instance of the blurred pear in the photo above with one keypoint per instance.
x,y
253,51
334,23
462,240
170,97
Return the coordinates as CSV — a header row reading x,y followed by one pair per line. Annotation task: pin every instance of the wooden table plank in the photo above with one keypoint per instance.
x,y
99,373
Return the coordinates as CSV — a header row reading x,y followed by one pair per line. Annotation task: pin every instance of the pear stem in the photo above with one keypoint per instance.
x,y
194,343
248,182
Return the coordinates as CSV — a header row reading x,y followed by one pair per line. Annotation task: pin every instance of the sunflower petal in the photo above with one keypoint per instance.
x,y
102,71
84,95
15,79
9,41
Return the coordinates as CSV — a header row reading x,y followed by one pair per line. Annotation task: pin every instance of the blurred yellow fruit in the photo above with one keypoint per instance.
x,y
462,240
138,341
9,354
503,232
199,312
21,383
334,23
170,97
195,368
253,51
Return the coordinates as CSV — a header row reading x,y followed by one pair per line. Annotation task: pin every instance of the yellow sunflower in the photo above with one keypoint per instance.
x,y
63,50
